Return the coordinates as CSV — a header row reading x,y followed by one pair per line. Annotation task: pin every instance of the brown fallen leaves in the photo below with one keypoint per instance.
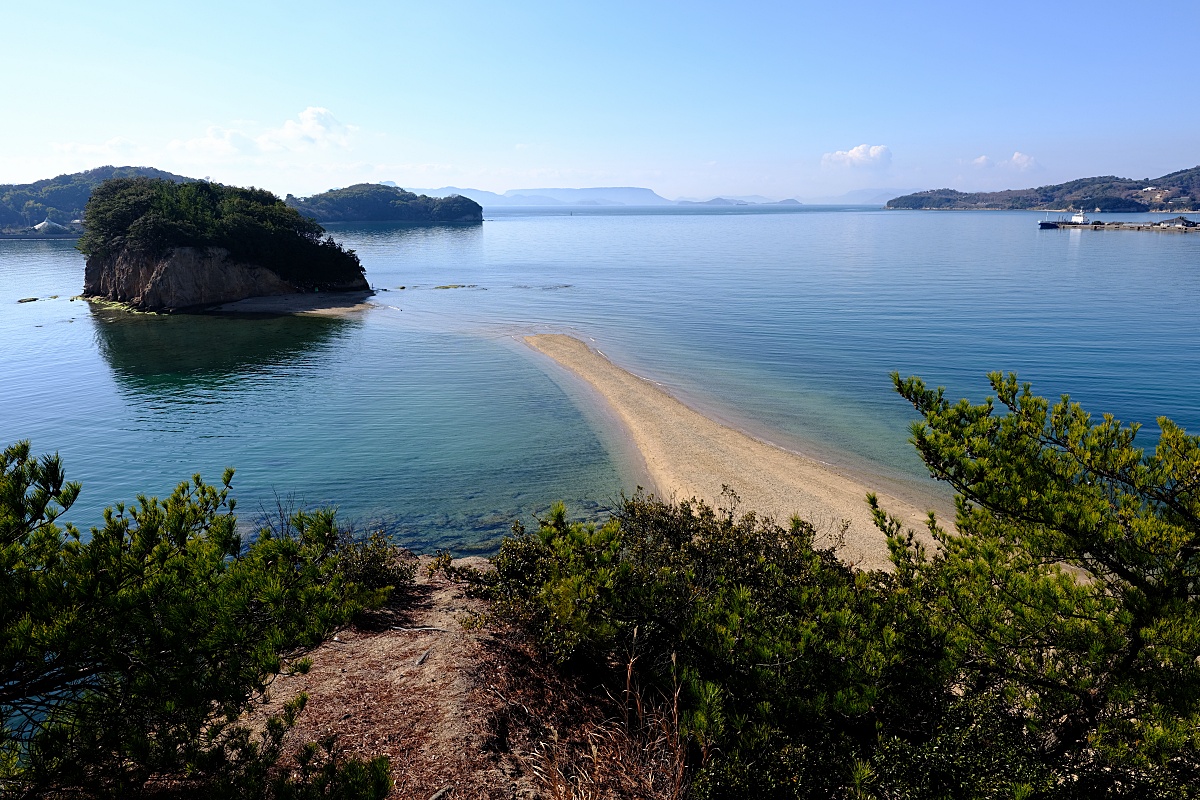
x,y
471,713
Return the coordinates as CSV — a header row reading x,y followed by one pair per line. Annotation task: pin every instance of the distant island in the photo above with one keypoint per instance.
x,y
635,196
592,196
53,207
1178,191
374,202
56,204
725,201
158,245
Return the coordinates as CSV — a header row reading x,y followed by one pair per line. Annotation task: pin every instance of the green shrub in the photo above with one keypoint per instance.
x,y
792,667
133,652
375,562
1070,586
322,774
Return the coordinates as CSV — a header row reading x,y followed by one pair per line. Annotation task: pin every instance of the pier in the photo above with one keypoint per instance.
x,y
1176,225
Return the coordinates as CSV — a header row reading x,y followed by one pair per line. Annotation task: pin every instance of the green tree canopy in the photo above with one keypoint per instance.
x,y
1071,582
373,202
63,198
133,652
152,216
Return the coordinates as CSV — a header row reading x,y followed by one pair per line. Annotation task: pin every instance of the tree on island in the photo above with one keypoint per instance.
x,y
373,202
151,217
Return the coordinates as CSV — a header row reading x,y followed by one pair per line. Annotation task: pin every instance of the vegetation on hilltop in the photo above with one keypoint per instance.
x,y
128,656
1178,191
1047,647
62,199
152,216
1050,647
372,202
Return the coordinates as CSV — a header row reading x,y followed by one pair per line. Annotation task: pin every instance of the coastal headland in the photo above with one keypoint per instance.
x,y
689,455
1177,192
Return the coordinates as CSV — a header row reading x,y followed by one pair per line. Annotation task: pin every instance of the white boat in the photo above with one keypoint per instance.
x,y
1078,218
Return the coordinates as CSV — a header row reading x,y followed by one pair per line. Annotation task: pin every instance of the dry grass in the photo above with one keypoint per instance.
x,y
475,712
642,755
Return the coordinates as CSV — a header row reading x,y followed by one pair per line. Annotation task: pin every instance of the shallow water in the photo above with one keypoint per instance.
x,y
427,413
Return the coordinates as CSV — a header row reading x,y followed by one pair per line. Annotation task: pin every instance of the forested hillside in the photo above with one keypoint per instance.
x,y
1178,191
62,199
372,202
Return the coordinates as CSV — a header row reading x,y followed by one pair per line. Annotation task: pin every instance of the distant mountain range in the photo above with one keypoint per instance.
x,y
598,196
61,199
1178,191
593,196
726,201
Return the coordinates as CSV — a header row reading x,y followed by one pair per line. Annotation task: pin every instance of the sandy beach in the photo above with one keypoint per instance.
x,y
687,454
323,304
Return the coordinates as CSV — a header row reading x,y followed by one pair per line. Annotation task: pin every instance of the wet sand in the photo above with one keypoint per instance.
x,y
323,304
687,454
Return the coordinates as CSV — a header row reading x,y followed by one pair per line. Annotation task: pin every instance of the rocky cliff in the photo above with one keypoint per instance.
x,y
187,277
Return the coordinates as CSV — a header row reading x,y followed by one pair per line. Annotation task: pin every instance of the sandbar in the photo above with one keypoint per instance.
x,y
322,304
689,455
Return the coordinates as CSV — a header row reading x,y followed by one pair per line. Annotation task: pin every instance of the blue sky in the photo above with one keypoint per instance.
x,y
687,98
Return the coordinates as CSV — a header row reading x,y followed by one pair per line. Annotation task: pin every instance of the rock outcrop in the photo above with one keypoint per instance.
x,y
187,277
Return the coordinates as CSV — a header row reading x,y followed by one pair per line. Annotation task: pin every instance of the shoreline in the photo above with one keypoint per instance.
x,y
688,454
320,304
312,304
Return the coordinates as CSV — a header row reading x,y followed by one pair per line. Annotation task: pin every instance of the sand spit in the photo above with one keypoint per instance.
x,y
322,304
688,454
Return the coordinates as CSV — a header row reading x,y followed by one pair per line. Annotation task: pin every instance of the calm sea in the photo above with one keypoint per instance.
x,y
426,413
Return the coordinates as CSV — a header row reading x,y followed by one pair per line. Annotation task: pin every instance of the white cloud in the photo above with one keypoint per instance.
x,y
216,142
117,147
313,128
873,156
1021,162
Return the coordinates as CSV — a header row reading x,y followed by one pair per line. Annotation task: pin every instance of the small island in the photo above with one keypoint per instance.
x,y
374,202
1176,192
157,245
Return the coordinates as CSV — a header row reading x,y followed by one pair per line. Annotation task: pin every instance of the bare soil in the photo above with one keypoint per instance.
x,y
465,710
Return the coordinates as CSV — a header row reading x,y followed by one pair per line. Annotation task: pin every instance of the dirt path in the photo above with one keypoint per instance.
x,y
413,685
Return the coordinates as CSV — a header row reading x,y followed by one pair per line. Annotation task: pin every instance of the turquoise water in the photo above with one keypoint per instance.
x,y
426,413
